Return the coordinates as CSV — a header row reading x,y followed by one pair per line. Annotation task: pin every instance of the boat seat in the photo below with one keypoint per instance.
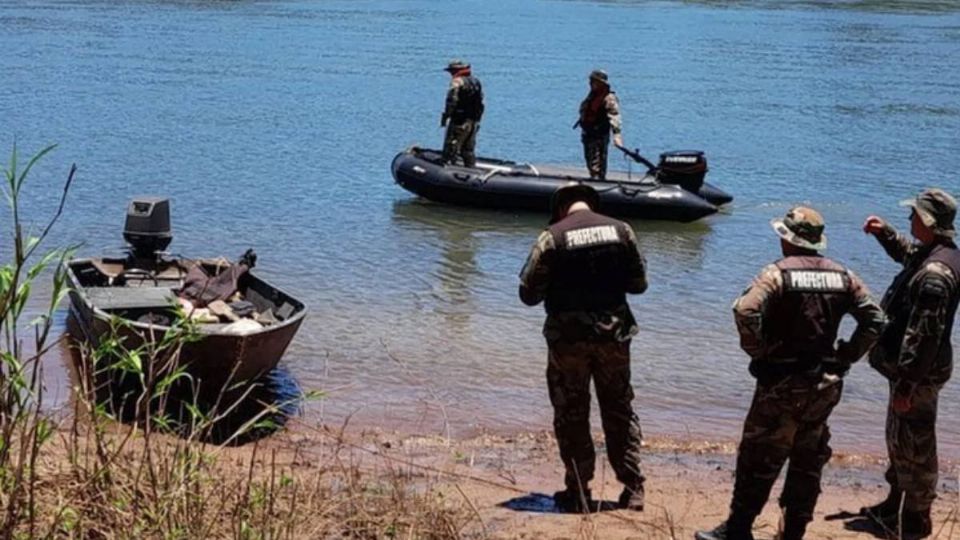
x,y
114,267
109,269
115,298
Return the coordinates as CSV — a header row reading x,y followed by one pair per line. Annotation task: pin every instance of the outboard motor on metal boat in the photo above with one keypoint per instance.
x,y
147,228
686,168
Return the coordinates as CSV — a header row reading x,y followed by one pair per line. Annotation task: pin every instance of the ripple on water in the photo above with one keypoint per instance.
x,y
272,125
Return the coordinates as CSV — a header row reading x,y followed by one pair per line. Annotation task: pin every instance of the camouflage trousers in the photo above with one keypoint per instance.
x,y
595,154
569,370
912,446
461,141
787,421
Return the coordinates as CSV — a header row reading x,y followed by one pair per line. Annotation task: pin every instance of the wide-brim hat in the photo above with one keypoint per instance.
x,y
937,210
570,193
801,227
456,65
600,75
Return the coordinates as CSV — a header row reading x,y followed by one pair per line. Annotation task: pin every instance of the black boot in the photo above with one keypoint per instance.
x,y
728,530
916,525
573,501
793,528
883,511
632,499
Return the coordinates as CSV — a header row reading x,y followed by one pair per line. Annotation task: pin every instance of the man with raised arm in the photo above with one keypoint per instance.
x,y
915,354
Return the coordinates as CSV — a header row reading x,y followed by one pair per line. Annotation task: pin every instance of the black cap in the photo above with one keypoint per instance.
x,y
570,193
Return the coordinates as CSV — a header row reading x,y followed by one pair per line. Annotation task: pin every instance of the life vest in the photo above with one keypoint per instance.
x,y
593,114
469,100
589,265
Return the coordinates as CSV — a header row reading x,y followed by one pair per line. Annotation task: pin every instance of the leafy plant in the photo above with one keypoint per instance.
x,y
24,429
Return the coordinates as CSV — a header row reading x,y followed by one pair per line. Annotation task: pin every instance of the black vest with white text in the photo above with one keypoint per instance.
x,y
589,265
803,323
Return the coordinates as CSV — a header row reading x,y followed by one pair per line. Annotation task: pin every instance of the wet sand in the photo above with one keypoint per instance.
x,y
507,483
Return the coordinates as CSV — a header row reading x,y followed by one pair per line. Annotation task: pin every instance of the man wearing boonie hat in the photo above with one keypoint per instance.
x,y
915,355
599,115
462,113
582,267
788,321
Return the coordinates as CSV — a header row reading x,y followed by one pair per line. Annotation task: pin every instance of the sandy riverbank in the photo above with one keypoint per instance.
x,y
506,483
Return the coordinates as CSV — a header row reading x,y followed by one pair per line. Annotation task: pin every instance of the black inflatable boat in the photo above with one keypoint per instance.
x,y
674,190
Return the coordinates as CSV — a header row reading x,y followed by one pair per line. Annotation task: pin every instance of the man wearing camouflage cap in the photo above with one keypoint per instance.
x,y
915,355
599,115
582,267
461,116
788,321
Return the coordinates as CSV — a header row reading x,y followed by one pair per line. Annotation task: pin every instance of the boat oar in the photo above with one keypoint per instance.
x,y
635,155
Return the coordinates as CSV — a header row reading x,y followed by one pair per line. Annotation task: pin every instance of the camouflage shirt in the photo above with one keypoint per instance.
x,y
920,304
583,325
753,311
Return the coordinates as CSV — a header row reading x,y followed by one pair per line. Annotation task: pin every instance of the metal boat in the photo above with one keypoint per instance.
x,y
141,291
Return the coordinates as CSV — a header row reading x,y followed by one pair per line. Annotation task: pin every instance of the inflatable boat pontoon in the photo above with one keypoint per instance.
x,y
674,190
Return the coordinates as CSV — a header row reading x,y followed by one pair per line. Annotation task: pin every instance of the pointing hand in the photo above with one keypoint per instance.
x,y
874,225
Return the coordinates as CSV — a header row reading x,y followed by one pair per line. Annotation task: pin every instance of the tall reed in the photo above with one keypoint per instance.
x,y
24,428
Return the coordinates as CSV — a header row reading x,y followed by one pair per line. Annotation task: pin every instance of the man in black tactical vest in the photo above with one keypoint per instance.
x,y
599,115
581,267
915,355
461,116
788,321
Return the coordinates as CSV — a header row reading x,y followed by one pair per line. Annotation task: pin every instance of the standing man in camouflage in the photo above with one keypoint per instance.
x,y
788,321
915,354
461,116
581,267
599,115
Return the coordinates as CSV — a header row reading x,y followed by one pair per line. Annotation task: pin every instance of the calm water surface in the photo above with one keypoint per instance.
x,y
272,125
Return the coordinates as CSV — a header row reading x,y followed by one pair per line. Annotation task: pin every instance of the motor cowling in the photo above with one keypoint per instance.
x,y
147,227
686,168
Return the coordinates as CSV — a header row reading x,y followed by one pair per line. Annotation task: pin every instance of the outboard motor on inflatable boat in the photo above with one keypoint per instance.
x,y
686,168
147,228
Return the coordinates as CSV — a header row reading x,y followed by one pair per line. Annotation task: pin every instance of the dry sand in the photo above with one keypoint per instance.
x,y
506,482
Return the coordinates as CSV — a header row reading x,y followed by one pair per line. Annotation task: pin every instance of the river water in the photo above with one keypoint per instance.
x,y
271,124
